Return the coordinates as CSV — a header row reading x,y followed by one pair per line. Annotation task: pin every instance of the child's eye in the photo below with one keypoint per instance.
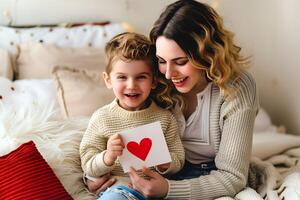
x,y
121,77
141,77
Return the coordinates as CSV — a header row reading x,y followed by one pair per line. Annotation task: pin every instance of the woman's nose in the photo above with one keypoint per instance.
x,y
169,73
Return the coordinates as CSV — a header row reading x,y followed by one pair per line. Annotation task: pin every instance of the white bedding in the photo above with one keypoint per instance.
x,y
35,115
32,113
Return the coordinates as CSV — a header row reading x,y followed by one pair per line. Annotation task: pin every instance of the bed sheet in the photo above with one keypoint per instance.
x,y
32,113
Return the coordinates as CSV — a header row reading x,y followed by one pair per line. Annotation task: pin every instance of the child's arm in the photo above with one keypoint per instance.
x,y
93,148
175,147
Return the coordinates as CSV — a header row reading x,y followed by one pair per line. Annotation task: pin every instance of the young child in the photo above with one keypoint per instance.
x,y
131,73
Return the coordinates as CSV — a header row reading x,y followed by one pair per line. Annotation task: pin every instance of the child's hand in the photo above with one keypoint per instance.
x,y
163,167
115,148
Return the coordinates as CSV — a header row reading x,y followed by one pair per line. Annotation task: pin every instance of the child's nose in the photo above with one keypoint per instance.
x,y
130,84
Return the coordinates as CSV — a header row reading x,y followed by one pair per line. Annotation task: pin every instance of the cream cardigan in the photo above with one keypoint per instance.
x,y
231,127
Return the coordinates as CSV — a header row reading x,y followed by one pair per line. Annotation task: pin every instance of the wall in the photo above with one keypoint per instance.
x,y
140,13
267,30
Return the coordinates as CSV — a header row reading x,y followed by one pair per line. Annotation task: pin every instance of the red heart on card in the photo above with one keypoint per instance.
x,y
140,150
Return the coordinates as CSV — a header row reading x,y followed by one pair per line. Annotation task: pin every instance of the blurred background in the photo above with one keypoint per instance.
x,y
267,30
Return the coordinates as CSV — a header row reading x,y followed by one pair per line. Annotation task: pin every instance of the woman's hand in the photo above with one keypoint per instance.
x,y
100,184
154,186
115,148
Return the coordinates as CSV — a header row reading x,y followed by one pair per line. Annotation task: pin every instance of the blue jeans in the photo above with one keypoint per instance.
x,y
121,192
190,170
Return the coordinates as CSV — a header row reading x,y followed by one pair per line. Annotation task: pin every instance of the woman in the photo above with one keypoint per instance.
x,y
216,104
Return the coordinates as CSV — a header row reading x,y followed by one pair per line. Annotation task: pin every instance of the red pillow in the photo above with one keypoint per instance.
x,y
24,174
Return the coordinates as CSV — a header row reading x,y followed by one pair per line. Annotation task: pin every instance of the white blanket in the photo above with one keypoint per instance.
x,y
57,140
275,171
275,175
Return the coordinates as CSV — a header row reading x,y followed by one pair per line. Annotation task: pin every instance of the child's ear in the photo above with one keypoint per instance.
x,y
107,80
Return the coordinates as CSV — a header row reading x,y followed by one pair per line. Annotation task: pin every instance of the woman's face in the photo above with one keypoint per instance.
x,y
176,66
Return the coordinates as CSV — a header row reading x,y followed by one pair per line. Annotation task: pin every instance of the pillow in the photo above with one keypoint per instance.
x,y
70,37
28,92
269,144
37,60
26,175
263,122
80,92
5,64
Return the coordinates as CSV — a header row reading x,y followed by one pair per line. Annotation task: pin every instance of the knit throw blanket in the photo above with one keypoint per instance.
x,y
275,178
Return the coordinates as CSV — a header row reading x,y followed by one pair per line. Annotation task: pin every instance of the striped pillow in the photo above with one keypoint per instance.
x,y
26,175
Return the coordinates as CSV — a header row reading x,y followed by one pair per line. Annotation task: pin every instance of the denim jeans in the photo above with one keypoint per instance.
x,y
121,192
190,170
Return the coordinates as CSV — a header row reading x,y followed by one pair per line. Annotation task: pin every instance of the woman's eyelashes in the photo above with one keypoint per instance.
x,y
179,62
160,61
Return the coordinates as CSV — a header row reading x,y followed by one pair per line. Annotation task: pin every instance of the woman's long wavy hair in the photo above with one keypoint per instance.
x,y
199,31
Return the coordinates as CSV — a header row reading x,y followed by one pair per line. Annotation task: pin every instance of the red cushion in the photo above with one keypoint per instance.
x,y
24,174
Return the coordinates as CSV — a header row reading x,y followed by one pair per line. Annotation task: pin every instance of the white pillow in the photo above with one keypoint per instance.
x,y
269,144
263,122
42,91
81,36
25,93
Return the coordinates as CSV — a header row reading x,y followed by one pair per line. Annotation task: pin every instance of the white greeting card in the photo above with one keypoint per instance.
x,y
144,146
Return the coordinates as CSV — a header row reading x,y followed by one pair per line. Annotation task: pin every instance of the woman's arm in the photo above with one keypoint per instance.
x,y
231,126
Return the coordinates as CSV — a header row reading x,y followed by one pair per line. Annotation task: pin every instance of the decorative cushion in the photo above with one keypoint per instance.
x,y
74,37
26,175
80,92
37,60
6,69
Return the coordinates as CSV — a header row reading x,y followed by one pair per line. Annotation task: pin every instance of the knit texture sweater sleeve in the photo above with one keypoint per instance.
x,y
93,145
231,126
175,147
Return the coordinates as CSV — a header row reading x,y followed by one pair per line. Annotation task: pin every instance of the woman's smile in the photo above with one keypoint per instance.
x,y
179,82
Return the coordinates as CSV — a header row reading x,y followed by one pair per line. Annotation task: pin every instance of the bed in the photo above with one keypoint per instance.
x,y
47,75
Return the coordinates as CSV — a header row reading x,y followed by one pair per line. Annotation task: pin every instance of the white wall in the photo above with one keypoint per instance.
x,y
140,13
267,30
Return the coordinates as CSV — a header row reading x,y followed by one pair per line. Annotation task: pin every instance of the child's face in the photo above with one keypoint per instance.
x,y
131,82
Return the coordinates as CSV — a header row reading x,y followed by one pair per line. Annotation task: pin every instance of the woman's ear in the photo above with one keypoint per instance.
x,y
107,80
